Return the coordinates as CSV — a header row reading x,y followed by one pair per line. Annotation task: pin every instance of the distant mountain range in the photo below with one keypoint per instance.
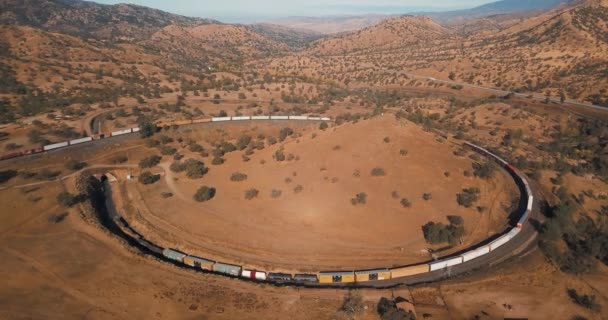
x,y
338,24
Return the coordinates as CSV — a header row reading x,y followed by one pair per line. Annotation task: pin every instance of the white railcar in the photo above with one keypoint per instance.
x,y
241,118
279,117
55,146
499,242
136,129
442,264
325,119
81,140
298,118
121,132
218,119
468,256
253,274
260,117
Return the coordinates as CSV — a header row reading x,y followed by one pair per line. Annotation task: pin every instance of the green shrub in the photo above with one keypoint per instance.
x,y
195,169
276,193
237,177
119,159
405,203
251,193
204,193
149,162
147,177
468,197
323,125
67,199
360,198
378,172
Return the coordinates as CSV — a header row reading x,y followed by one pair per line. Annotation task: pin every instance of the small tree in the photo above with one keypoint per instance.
x,y
276,193
237,177
353,304
66,199
360,198
147,129
323,125
378,172
204,193
147,177
251,193
75,165
149,162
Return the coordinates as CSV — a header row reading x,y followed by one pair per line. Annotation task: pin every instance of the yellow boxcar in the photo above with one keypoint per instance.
x,y
201,120
371,275
181,122
409,271
199,263
337,277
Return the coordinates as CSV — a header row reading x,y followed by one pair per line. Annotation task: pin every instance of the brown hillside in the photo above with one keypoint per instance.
x,y
390,34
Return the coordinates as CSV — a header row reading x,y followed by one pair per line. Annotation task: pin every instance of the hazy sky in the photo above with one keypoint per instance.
x,y
244,10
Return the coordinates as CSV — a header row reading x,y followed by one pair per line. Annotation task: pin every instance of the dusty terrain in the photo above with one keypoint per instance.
x,y
64,66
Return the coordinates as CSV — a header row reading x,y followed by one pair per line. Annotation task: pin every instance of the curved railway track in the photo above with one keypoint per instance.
x,y
524,237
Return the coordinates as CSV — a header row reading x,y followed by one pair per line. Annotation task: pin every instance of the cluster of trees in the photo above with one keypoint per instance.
x,y
435,233
194,169
586,241
484,170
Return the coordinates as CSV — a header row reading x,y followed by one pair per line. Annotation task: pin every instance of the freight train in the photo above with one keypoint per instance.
x,y
349,276
160,124
325,277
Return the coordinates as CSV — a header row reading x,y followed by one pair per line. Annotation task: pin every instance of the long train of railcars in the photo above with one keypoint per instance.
x,y
321,277
348,276
160,124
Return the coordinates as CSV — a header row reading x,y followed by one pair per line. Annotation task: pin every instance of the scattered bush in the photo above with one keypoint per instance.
x,y
387,309
147,177
585,301
279,155
386,139
243,142
167,151
7,175
298,189
149,162
147,129
323,125
166,195
403,152
276,193
484,170
427,196
75,165
204,193
378,172
251,193
405,203
195,169
360,198
119,159
468,197
217,161
284,133
353,304
237,177
67,199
